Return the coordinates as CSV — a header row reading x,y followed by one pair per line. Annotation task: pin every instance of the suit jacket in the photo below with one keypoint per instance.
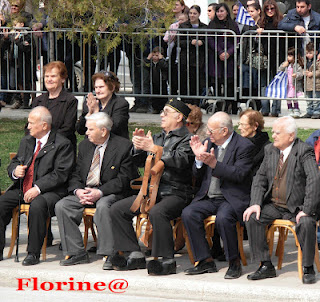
x,y
52,167
116,171
117,108
64,112
234,173
303,179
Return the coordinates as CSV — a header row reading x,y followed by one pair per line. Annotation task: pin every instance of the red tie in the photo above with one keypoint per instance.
x,y
28,178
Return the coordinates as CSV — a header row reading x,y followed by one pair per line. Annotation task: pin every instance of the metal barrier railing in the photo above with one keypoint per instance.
x,y
218,68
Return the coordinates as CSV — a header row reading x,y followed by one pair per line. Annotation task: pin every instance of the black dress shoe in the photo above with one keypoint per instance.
x,y
76,259
234,271
167,267
309,275
107,265
120,263
202,267
31,259
263,272
92,249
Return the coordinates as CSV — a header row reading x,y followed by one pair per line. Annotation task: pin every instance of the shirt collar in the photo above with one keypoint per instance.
x,y
43,139
226,143
286,152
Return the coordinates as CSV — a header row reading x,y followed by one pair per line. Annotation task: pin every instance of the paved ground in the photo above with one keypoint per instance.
x,y
155,118
179,287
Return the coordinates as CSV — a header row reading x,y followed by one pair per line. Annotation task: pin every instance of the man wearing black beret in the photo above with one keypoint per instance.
x,y
174,193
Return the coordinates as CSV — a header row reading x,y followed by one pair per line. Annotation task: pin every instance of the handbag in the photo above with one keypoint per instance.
x,y
258,59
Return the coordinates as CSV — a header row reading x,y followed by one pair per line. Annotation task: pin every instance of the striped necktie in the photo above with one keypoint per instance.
x,y
93,178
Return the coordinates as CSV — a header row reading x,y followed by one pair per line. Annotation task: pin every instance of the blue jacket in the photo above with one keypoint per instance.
x,y
312,139
292,19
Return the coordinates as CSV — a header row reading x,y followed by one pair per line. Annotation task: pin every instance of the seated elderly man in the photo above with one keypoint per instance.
x,y
174,194
101,177
223,164
285,187
42,167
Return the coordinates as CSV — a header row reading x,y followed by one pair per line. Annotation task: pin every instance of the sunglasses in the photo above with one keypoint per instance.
x,y
108,75
270,9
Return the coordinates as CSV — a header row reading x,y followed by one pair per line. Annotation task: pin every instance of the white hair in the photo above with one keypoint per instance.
x,y
43,113
223,119
289,123
101,119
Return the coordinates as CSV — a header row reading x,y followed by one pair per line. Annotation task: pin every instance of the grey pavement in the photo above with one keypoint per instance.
x,y
141,287
144,118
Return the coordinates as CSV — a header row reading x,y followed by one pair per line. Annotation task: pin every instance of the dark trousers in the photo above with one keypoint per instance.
x,y
193,216
167,209
38,214
305,229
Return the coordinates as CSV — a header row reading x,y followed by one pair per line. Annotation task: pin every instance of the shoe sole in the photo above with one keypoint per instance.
x,y
29,264
262,278
75,263
209,270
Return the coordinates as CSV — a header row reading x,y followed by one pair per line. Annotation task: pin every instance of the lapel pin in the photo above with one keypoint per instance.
x,y
113,167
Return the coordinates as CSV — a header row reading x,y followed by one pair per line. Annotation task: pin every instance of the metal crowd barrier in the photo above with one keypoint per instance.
x,y
21,67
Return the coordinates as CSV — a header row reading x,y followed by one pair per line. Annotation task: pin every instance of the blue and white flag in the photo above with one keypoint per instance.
x,y
278,86
243,17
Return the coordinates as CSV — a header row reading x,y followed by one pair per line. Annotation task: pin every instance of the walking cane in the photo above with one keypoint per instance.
x,y
19,209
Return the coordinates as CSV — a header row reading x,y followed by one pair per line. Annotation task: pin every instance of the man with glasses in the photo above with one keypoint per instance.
x,y
174,194
211,11
285,187
223,164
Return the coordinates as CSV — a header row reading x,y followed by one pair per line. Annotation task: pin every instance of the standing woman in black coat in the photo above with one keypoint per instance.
x,y
106,84
62,104
192,56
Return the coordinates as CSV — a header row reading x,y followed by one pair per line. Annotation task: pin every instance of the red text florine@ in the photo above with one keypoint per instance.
x,y
117,286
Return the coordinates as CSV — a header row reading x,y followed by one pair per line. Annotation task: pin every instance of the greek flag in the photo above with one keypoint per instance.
x,y
278,86
243,17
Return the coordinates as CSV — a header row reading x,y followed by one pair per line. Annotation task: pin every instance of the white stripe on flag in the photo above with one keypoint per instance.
x,y
278,86
243,17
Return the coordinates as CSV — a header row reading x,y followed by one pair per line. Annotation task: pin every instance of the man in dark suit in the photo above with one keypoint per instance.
x,y
285,187
101,177
223,163
42,167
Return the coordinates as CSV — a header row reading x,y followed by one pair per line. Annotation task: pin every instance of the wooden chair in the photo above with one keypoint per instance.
x,y
87,215
209,223
284,226
15,217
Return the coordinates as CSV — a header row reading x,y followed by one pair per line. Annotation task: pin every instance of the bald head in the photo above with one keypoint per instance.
x,y
220,128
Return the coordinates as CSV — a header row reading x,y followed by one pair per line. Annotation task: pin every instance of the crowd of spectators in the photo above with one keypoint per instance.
x,y
185,62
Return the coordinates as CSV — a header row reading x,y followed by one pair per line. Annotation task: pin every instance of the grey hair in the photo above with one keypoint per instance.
x,y
101,119
224,120
43,113
289,123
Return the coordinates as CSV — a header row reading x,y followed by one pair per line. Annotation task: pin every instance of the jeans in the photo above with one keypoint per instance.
x,y
313,107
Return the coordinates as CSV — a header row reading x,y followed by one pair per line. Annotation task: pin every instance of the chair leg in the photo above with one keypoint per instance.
x,y
240,244
44,246
280,246
86,229
190,254
316,257
14,234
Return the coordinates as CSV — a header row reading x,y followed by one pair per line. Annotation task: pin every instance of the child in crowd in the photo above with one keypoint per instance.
x,y
170,35
19,45
158,78
293,67
312,74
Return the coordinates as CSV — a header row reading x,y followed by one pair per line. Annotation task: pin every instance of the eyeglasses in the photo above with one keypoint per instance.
x,y
166,112
211,131
242,124
270,9
14,5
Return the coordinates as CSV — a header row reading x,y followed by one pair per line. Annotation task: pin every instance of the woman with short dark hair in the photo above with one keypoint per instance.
x,y
106,84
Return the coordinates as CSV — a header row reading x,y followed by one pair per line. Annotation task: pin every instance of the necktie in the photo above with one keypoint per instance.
x,y
28,178
93,178
280,164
